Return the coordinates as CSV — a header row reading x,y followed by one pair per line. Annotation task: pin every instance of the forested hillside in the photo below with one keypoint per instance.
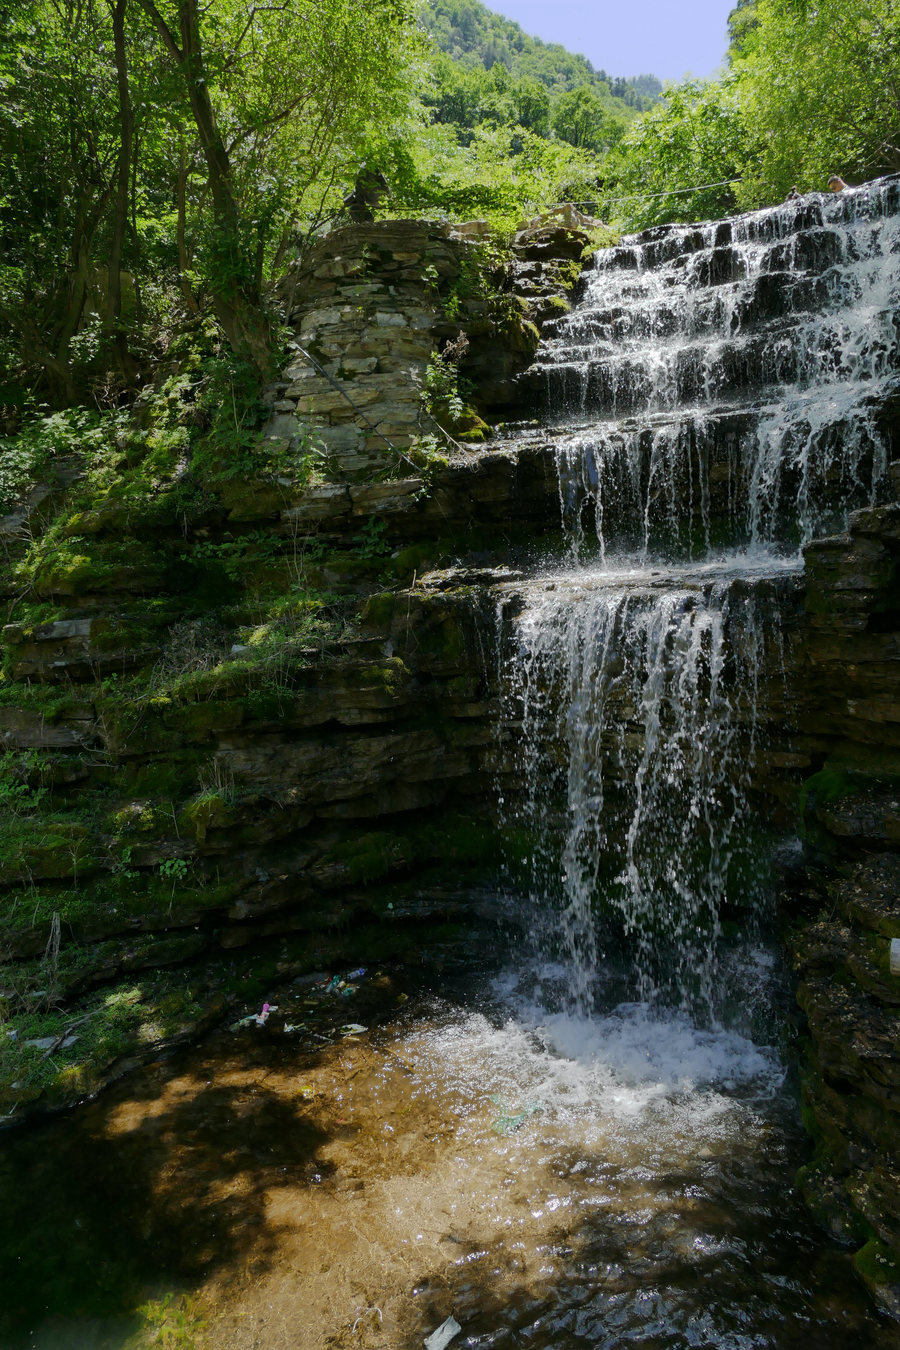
x,y
474,36
511,123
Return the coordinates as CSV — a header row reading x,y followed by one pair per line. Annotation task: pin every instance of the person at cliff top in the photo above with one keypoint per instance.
x,y
836,183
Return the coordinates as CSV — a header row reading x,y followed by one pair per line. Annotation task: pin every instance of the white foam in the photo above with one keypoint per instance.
x,y
649,1080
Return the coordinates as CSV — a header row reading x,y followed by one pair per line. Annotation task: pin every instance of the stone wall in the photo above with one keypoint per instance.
x,y
371,304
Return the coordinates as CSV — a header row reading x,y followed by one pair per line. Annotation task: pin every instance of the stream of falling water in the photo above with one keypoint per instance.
x,y
731,381
637,694
728,380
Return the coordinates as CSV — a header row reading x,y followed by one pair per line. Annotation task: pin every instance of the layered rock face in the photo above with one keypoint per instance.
x,y
727,393
843,906
206,768
729,384
231,742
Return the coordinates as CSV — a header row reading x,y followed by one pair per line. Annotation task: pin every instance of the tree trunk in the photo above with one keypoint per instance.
x,y
181,231
235,297
113,317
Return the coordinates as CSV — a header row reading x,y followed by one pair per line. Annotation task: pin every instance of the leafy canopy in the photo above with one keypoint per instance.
x,y
813,89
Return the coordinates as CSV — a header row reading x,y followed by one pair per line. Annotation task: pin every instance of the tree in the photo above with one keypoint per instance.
x,y
821,83
59,145
272,91
124,176
677,161
581,117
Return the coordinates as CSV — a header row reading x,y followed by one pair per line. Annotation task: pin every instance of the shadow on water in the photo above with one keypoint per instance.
x,y
156,1186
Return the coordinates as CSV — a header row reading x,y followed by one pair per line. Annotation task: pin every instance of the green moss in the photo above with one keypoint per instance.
x,y
520,334
568,273
388,676
208,812
455,840
169,780
828,1204
33,847
199,722
370,857
379,610
877,1263
114,635
266,705
828,785
458,839
109,902
415,559
52,703
128,1017
69,569
137,818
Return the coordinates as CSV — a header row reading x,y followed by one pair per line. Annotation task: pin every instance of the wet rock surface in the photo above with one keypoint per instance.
x,y
845,913
228,799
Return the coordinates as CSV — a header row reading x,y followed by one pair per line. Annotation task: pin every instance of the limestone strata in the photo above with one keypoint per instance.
x,y
849,675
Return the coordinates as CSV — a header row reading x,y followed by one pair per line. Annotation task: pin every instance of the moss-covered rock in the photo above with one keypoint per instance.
x,y
879,1267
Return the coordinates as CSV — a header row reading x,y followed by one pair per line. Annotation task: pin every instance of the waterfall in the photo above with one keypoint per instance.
x,y
728,382
637,696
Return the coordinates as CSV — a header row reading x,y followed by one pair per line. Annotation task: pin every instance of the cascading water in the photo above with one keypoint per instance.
x,y
728,382
728,378
600,1153
639,720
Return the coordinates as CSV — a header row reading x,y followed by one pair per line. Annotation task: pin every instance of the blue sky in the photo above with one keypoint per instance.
x,y
655,37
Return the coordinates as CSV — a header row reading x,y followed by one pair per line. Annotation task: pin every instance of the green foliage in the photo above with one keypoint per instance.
x,y
581,117
820,84
517,124
370,542
178,1323
697,135
813,90
478,39
19,794
235,555
221,165
464,98
443,391
26,455
174,870
496,172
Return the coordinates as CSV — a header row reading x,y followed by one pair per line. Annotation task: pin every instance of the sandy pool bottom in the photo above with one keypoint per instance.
x,y
550,1181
